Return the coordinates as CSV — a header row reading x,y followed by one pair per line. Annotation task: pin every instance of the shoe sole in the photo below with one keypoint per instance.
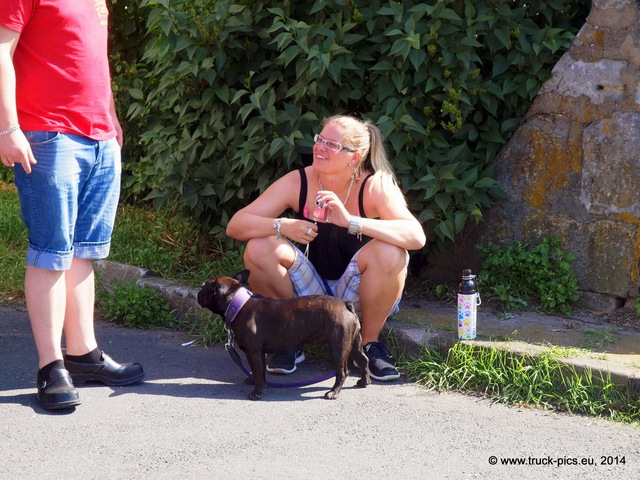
x,y
284,371
281,371
86,378
59,405
386,378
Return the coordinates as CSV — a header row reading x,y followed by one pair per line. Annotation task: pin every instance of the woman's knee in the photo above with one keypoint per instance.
x,y
267,252
257,250
384,256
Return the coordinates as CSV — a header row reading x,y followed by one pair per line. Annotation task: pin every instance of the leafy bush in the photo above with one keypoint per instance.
x,y
127,27
517,274
231,92
136,307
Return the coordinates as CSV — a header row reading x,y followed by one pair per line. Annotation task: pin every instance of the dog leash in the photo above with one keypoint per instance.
x,y
235,356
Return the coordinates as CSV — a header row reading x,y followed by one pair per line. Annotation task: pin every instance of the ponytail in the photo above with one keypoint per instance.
x,y
366,138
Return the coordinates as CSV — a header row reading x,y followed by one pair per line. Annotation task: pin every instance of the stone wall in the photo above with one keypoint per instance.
x,y
572,169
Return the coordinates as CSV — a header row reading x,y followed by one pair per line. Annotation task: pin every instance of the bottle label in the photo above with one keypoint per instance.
x,y
467,313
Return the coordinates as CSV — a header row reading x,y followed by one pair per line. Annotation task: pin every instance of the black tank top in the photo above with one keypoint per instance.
x,y
333,248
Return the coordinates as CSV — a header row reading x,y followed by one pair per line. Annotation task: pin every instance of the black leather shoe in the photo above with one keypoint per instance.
x,y
57,391
107,371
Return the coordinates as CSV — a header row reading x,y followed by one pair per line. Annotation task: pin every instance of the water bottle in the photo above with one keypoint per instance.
x,y
468,301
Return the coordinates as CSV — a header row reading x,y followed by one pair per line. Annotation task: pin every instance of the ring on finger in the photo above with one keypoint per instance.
x,y
309,231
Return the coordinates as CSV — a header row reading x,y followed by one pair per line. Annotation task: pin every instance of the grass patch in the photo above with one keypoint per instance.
x,y
567,352
13,245
174,249
145,308
135,307
599,339
541,381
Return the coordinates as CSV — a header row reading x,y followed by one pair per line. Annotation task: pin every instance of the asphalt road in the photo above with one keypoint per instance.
x,y
191,419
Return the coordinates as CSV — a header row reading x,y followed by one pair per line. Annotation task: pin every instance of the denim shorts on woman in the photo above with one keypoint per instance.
x,y
69,200
307,281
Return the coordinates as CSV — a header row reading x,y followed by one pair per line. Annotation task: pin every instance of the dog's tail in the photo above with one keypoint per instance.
x,y
352,308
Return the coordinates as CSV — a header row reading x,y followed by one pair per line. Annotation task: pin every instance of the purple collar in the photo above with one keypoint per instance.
x,y
239,299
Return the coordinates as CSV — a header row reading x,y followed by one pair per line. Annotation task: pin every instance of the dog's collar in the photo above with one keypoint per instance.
x,y
239,299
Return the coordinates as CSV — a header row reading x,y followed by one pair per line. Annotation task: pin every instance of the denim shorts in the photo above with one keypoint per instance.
x,y
69,200
307,281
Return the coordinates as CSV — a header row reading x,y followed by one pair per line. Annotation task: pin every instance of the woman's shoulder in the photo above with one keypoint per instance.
x,y
289,186
380,192
291,178
381,182
297,175
375,184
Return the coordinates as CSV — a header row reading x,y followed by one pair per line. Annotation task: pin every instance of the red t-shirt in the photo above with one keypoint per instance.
x,y
62,67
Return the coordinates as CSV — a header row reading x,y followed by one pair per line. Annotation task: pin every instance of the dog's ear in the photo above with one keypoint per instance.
x,y
242,276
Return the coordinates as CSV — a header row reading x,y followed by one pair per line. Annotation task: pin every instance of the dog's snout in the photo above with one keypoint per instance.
x,y
200,296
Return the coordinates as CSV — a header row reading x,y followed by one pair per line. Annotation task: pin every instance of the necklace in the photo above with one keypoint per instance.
x,y
346,198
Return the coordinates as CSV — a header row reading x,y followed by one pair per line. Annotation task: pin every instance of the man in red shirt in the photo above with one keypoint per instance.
x,y
60,134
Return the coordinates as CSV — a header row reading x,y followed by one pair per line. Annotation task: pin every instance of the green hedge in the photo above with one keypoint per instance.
x,y
127,41
228,95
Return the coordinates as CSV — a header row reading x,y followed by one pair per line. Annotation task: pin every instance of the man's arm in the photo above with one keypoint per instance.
x,y
14,147
116,122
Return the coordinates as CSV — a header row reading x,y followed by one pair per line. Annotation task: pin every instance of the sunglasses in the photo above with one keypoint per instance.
x,y
331,145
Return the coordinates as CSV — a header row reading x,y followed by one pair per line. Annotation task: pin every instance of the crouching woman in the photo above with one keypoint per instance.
x,y
349,236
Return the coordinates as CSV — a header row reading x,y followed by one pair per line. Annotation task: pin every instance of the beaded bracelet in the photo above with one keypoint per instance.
x,y
9,130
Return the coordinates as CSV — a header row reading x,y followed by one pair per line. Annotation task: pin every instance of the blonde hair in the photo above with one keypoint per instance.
x,y
364,137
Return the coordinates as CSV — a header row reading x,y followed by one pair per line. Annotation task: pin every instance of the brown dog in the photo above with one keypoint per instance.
x,y
267,325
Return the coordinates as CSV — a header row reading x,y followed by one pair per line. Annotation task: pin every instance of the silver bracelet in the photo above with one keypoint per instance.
x,y
9,130
276,226
355,226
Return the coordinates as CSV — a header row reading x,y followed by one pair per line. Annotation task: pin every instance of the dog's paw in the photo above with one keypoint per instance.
x,y
331,395
255,396
363,382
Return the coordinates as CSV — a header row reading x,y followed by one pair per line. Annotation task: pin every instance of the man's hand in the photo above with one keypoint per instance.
x,y
14,148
